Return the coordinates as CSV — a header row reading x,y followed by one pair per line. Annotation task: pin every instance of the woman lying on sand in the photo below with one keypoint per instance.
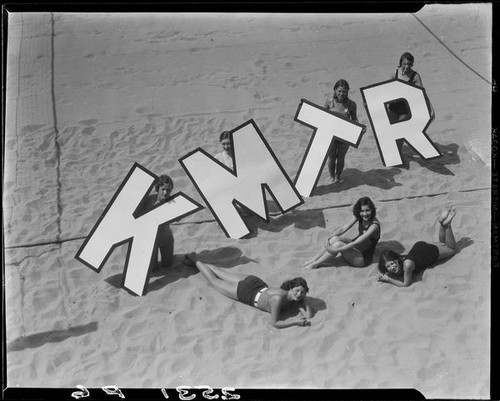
x,y
421,255
253,291
359,251
163,187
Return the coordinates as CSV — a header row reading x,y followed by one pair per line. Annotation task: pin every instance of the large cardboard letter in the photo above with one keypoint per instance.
x,y
412,130
117,225
327,126
255,169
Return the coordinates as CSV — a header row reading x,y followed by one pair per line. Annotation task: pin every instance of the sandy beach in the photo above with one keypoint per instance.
x,y
89,95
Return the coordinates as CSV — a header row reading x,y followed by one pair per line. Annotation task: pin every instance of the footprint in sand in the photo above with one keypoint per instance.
x,y
349,349
434,373
327,343
430,313
88,123
30,129
419,216
88,130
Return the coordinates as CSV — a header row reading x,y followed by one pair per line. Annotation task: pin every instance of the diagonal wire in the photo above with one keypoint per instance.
x,y
451,51
56,129
181,223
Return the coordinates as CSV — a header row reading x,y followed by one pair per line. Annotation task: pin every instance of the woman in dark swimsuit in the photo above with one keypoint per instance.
x,y
394,267
359,251
163,187
252,291
398,110
345,107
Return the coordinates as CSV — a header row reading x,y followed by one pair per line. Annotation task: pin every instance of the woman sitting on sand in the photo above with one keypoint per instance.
x,y
345,107
163,187
226,156
392,265
253,291
398,110
359,251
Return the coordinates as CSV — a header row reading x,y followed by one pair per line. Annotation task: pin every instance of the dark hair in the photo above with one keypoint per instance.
x,y
340,82
364,201
224,135
387,256
294,282
162,180
407,56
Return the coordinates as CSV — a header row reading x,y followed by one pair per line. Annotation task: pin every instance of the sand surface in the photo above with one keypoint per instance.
x,y
90,94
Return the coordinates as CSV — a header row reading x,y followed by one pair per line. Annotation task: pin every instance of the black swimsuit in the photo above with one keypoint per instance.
x,y
412,78
248,288
349,107
400,107
423,255
370,249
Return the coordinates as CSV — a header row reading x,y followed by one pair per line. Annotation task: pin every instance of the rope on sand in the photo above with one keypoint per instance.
x,y
56,129
60,241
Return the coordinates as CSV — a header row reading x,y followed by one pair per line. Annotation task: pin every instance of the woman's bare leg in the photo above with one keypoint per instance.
x,y
441,218
341,152
225,287
321,261
223,274
321,253
449,237
315,258
332,160
448,244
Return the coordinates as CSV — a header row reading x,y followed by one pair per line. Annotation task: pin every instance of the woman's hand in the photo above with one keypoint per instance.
x,y
303,322
383,278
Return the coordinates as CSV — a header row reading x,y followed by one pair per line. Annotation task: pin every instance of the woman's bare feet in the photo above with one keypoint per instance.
x,y
308,262
446,216
308,266
452,213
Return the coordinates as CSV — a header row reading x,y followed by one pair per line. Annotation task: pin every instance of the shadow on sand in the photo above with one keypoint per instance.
x,y
293,310
162,276
301,219
449,155
51,336
384,178
353,177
